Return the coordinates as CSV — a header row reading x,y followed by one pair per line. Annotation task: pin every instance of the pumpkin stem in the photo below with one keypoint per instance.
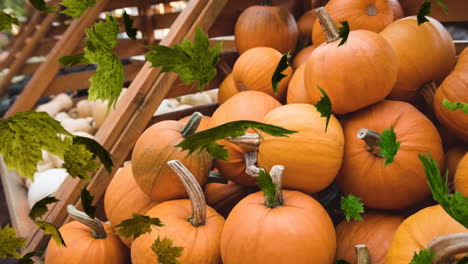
x,y
267,3
447,246
328,25
192,125
251,164
276,174
372,140
249,141
372,10
428,91
195,193
362,254
97,229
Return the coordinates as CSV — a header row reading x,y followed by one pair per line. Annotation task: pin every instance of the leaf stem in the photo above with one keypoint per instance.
x,y
362,254
447,246
372,139
328,25
96,226
195,193
192,125
251,168
267,3
276,173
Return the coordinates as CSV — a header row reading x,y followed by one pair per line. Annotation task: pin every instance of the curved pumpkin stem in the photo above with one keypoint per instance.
x,y
96,226
328,25
362,254
251,168
447,246
428,91
372,140
249,141
372,10
192,125
195,193
276,174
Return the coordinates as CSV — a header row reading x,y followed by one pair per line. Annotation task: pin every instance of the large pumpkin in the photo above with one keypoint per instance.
x,y
461,176
452,159
361,72
254,69
294,229
302,57
227,89
123,198
376,231
296,90
188,223
266,26
412,43
88,241
418,230
401,183
155,147
224,196
455,89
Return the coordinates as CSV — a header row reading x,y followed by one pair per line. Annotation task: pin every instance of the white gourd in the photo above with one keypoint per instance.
x,y
196,99
83,134
213,94
60,103
100,112
166,106
44,184
75,125
61,116
183,106
85,108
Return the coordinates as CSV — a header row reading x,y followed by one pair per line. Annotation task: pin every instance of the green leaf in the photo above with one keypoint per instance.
x,y
266,184
456,205
41,6
207,139
98,151
9,243
24,136
76,8
342,261
352,207
73,60
107,81
443,5
50,229
194,61
79,162
39,209
278,74
388,145
86,202
424,11
137,226
129,29
464,260
7,21
424,256
343,32
324,107
166,252
27,258
455,106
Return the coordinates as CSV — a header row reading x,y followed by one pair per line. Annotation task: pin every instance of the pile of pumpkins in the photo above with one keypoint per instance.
x,y
388,66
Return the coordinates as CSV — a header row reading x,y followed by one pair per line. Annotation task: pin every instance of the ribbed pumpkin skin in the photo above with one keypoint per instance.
x,y
418,230
249,105
376,231
255,234
312,157
365,54
153,149
452,159
302,57
461,176
398,12
266,26
412,44
123,198
227,89
201,244
254,69
296,90
455,89
223,197
82,248
355,12
402,183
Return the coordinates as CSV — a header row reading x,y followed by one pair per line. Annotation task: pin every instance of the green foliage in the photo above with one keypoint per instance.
x,y
73,60
27,258
266,184
86,202
52,230
166,252
424,256
137,226
76,8
425,10
278,74
456,205
388,145
7,21
464,260
352,207
342,261
9,243
129,29
41,6
98,151
207,139
79,162
343,32
455,106
324,107
193,61
39,209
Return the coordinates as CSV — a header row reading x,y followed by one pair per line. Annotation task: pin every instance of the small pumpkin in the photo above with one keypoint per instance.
x,y
376,231
334,69
227,89
412,43
255,68
188,223
266,26
276,230
401,183
306,23
302,57
88,241
461,176
452,159
296,90
155,147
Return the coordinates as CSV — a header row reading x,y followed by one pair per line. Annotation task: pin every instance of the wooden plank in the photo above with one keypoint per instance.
x,y
145,12
457,10
224,25
117,4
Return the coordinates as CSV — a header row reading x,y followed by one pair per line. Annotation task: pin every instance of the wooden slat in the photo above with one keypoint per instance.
x,y
457,10
117,4
460,45
224,25
146,27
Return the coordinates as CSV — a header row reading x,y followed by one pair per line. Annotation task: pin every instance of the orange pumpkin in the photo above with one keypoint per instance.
x,y
188,223
334,69
266,26
205,122
254,69
258,233
418,230
376,231
240,107
227,89
88,241
296,90
455,89
412,44
123,198
302,57
306,23
372,15
461,176
155,147
401,183
452,158
224,196
398,12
